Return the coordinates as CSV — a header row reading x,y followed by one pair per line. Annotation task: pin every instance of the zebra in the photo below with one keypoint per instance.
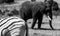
x,y
12,26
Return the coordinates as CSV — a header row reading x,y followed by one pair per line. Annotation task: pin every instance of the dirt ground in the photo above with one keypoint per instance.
x,y
38,32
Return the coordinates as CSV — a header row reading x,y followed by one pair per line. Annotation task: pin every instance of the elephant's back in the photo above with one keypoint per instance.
x,y
39,6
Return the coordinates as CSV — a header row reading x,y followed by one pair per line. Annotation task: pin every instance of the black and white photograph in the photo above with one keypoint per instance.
x,y
29,17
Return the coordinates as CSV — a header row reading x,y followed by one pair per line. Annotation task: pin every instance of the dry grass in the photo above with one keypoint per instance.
x,y
38,32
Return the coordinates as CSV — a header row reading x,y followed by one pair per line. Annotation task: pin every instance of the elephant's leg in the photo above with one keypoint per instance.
x,y
40,21
34,22
50,21
27,29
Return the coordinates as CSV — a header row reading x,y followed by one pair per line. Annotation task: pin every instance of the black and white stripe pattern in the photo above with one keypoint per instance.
x,y
13,25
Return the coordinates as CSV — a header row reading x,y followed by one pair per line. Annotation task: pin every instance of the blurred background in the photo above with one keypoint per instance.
x,y
16,4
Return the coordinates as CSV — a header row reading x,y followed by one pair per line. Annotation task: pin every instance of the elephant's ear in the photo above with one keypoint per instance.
x,y
55,6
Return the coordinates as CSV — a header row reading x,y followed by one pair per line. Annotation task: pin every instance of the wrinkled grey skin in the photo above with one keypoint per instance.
x,y
36,10
31,8
55,6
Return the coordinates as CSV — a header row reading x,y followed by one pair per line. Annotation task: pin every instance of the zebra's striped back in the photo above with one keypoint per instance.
x,y
13,24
